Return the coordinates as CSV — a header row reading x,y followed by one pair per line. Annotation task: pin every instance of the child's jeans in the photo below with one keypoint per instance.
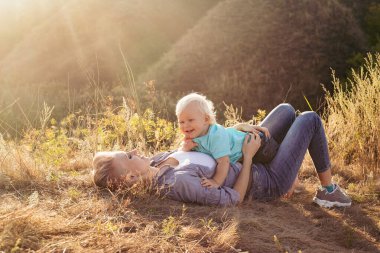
x,y
295,135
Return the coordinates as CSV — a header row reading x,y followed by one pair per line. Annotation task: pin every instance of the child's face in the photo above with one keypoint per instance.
x,y
193,122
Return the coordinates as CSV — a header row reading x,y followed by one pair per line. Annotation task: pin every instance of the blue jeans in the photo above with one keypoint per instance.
x,y
295,135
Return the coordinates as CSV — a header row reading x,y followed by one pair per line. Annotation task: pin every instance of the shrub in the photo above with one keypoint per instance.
x,y
116,128
352,118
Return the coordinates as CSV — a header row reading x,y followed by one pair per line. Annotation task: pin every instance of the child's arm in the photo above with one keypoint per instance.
x,y
245,127
220,173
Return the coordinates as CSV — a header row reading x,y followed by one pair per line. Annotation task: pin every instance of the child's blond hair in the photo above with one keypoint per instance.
x,y
205,105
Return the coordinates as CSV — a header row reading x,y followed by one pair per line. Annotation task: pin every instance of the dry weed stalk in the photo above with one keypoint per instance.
x,y
352,120
17,166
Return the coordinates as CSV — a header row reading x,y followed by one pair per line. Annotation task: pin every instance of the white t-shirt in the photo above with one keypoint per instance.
x,y
185,158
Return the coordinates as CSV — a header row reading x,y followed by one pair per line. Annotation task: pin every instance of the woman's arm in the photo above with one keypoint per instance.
x,y
251,144
245,127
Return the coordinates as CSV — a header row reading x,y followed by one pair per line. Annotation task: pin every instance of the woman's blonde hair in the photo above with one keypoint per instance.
x,y
103,170
205,105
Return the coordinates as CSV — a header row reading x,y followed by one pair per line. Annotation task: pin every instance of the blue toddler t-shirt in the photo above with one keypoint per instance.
x,y
220,141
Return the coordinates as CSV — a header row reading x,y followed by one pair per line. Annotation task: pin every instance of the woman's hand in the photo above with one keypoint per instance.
x,y
251,144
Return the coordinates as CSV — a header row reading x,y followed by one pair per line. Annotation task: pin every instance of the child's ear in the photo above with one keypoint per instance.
x,y
207,118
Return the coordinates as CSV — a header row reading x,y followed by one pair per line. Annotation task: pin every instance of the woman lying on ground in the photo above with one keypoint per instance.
x,y
178,175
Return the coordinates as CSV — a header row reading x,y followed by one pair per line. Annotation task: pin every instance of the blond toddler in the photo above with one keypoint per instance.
x,y
196,119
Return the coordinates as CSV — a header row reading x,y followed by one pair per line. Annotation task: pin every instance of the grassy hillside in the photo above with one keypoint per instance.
x,y
258,53
60,55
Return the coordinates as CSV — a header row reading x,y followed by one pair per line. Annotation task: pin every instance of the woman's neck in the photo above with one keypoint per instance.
x,y
163,166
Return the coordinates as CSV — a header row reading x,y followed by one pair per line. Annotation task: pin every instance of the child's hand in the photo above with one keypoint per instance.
x,y
245,127
209,183
187,145
262,129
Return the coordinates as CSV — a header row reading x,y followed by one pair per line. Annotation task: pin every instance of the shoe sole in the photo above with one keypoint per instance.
x,y
328,204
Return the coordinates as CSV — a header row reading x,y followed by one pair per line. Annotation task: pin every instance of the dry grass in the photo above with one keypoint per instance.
x,y
78,217
17,166
48,208
352,123
56,219
49,203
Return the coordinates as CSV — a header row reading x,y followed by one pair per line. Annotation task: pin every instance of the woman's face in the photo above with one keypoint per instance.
x,y
130,166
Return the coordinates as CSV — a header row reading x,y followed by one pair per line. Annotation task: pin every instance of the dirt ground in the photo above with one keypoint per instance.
x,y
298,224
61,219
301,225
